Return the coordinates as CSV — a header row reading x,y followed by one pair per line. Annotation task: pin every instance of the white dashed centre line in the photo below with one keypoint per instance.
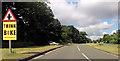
x,y
83,54
86,57
78,48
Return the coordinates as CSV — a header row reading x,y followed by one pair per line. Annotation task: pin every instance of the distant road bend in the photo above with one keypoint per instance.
x,y
78,52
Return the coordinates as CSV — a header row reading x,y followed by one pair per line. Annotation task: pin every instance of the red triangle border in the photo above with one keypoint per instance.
x,y
6,15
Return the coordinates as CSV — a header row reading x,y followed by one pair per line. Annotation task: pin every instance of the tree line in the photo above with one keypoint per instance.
x,y
113,38
36,25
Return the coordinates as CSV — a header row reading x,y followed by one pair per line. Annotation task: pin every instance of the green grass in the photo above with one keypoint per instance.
x,y
109,49
19,53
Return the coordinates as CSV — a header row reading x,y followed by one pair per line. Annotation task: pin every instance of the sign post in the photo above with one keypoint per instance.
x,y
9,28
10,49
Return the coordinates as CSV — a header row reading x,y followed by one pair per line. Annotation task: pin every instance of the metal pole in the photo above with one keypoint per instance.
x,y
10,49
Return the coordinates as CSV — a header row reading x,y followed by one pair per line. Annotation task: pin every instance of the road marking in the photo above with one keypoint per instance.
x,y
78,48
104,52
38,57
46,53
83,54
108,53
49,52
86,57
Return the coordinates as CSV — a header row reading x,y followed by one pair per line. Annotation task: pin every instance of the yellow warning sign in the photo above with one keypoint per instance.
x,y
10,30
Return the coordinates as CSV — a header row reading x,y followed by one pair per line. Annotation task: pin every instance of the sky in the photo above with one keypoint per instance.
x,y
95,17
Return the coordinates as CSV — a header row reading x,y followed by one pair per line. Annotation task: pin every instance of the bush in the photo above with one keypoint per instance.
x,y
95,41
114,41
101,43
118,46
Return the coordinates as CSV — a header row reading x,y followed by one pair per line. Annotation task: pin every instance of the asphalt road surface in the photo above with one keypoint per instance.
x,y
79,52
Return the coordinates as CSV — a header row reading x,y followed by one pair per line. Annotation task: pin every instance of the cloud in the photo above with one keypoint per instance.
x,y
113,31
104,33
105,25
95,37
84,15
96,29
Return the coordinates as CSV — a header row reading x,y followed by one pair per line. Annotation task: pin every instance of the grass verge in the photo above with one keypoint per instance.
x,y
20,53
109,49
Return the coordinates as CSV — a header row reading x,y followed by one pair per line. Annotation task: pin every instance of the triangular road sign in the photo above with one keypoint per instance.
x,y
9,16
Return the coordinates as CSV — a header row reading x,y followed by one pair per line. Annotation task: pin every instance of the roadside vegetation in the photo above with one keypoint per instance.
x,y
110,39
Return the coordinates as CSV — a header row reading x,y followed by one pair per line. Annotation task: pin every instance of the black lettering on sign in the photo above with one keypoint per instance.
x,y
14,32
4,32
6,25
11,32
14,26
9,25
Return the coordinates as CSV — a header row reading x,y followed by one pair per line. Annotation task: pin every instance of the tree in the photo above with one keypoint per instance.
x,y
35,22
113,38
71,34
118,35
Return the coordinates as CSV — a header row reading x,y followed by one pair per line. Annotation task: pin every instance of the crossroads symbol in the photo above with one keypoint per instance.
x,y
9,16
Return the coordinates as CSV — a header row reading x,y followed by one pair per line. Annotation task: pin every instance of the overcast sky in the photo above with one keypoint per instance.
x,y
96,17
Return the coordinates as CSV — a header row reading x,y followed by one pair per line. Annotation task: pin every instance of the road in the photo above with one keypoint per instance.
x,y
111,45
78,52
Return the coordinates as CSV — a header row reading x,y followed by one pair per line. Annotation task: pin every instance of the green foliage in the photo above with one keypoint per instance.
x,y
118,35
100,44
68,33
71,34
94,41
114,41
118,46
113,38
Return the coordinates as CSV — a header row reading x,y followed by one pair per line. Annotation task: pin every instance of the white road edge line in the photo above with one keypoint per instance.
x,y
38,57
78,48
106,52
45,54
109,53
86,57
